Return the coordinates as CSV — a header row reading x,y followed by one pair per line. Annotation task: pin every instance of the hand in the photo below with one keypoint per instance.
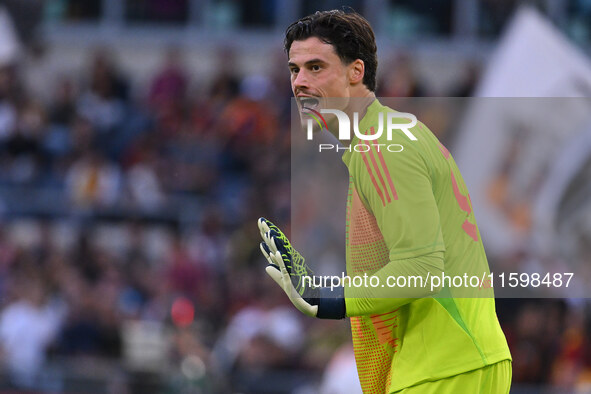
x,y
289,270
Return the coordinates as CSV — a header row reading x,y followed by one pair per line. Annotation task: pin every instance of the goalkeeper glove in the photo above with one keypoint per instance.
x,y
288,269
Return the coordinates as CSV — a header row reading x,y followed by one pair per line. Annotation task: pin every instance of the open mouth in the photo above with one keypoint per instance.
x,y
309,103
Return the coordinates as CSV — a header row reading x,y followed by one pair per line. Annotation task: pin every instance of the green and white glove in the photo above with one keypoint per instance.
x,y
289,270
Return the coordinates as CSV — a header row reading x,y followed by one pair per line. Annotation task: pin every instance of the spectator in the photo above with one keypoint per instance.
x,y
27,328
93,182
169,86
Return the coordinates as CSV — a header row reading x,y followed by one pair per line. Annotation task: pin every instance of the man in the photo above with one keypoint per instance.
x,y
408,215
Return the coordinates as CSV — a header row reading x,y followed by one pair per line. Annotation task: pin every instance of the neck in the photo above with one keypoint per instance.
x,y
357,104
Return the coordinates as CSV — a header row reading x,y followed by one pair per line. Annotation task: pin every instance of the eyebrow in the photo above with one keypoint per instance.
x,y
309,62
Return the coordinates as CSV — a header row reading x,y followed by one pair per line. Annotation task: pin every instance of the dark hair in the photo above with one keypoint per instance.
x,y
348,32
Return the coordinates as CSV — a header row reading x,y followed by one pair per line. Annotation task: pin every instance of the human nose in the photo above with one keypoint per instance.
x,y
300,81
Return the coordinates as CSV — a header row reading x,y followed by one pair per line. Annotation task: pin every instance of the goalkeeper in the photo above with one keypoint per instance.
x,y
408,213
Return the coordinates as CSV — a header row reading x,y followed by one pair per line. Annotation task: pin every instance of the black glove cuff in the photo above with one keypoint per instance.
x,y
331,303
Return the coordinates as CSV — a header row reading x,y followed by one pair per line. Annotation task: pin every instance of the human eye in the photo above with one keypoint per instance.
x,y
316,67
294,70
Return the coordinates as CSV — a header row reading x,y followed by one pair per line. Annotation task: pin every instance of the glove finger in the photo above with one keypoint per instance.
x,y
278,260
263,226
269,230
303,305
285,278
269,225
266,252
281,251
278,244
297,300
278,236
281,242
274,273
270,241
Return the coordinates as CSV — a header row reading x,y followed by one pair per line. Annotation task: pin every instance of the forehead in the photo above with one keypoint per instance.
x,y
311,48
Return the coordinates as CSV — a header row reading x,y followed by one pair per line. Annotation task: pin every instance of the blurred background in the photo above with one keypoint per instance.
x,y
141,139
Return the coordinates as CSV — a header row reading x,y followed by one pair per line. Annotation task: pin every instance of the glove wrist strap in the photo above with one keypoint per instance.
x,y
331,303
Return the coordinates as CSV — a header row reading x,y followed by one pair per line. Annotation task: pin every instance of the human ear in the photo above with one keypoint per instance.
x,y
356,71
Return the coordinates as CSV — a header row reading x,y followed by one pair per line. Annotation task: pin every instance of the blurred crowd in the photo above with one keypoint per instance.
x,y
95,144
92,292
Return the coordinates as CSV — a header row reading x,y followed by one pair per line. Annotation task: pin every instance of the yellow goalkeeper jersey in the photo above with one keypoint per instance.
x,y
408,202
